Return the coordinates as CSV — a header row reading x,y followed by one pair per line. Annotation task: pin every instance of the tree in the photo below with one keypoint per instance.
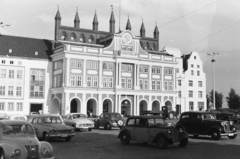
x,y
208,101
233,99
218,99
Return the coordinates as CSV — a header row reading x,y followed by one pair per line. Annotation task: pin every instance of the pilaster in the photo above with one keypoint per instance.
x,y
84,72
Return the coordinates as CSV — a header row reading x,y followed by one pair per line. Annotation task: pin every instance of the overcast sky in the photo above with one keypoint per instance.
x,y
204,26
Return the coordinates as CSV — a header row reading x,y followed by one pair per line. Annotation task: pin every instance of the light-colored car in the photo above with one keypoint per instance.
x,y
152,129
49,126
79,121
18,140
17,117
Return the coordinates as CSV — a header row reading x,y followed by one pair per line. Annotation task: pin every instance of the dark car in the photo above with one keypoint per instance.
x,y
205,123
152,129
109,120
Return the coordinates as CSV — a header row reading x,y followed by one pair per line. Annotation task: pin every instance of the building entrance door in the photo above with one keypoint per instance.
x,y
36,107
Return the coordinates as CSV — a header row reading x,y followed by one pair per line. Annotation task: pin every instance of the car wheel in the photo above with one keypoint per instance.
x,y
125,139
120,123
162,142
183,142
171,115
232,137
89,129
68,138
2,156
108,126
46,137
215,135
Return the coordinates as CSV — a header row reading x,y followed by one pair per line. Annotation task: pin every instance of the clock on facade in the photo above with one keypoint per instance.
x,y
127,38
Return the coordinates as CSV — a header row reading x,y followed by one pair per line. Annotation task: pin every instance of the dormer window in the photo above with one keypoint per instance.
x,y
145,47
90,40
11,62
10,50
72,38
3,61
63,37
36,53
81,40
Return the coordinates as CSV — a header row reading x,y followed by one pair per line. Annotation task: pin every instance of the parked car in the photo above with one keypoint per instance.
x,y
17,117
49,126
109,120
18,140
224,115
79,121
152,129
205,123
168,113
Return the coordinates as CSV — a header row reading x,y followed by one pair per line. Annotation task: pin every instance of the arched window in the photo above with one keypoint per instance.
x,y
141,44
73,37
82,38
91,39
153,46
147,46
63,36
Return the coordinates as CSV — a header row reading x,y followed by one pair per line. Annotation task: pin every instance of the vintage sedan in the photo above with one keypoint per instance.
x,y
152,129
18,140
17,117
79,121
205,123
49,126
109,120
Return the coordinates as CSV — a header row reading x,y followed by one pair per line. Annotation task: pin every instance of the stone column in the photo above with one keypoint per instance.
x,y
150,77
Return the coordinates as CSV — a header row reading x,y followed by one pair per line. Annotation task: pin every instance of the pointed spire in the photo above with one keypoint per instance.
x,y
76,20
112,22
156,29
58,16
142,30
95,22
128,27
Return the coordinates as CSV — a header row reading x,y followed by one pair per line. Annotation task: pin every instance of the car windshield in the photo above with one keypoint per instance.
x,y
156,121
18,130
52,120
77,116
116,116
208,116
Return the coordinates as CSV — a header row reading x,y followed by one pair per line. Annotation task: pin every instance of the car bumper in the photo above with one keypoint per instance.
x,y
85,127
116,125
229,134
61,135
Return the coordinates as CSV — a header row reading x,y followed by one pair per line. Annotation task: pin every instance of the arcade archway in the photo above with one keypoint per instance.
x,y
155,106
55,108
126,107
91,108
75,106
142,106
169,105
107,105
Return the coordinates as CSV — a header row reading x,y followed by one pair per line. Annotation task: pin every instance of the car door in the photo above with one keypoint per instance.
x,y
130,125
141,130
197,124
104,119
68,120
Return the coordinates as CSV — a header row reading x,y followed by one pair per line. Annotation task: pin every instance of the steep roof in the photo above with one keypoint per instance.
x,y
185,61
25,47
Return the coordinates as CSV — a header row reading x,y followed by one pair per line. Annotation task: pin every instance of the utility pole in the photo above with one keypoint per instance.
x,y
213,77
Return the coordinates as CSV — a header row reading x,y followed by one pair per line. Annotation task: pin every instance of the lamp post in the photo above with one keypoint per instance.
x,y
213,77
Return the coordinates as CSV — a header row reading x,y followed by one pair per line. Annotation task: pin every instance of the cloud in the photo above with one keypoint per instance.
x,y
46,18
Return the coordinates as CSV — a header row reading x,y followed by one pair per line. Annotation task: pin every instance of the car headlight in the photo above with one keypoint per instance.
x,y
169,131
45,152
222,123
16,153
120,122
52,131
231,122
233,129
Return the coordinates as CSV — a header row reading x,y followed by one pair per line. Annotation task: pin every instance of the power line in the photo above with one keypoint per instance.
x,y
186,14
211,35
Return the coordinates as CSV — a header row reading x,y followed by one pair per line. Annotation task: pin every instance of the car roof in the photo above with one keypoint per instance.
x,y
16,115
46,115
197,112
11,122
145,117
76,113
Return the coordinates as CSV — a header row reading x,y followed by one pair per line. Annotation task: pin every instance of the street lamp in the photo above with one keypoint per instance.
x,y
213,76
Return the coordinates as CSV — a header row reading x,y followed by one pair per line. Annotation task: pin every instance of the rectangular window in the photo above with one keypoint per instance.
x,y
10,106
2,90
129,83
11,73
199,83
79,81
192,72
110,66
191,106
179,94
110,82
190,83
153,85
59,84
11,62
179,82
89,81
89,65
2,106
146,84
72,80
141,68
158,70
73,63
19,74
123,67
104,82
3,73
105,66
154,70
79,64
95,65
141,84
198,66
200,94
37,75
123,83
129,68
10,90
3,61
19,107
95,81
191,65
170,85
19,91
146,69
36,91
170,71
190,93
158,85
198,73
19,62
40,91
165,85
200,105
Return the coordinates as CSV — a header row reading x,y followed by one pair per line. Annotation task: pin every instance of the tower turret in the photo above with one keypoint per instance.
x,y
76,21
128,27
95,22
112,23
142,30
57,24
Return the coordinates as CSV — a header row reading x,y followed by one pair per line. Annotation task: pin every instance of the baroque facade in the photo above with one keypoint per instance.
x,y
92,71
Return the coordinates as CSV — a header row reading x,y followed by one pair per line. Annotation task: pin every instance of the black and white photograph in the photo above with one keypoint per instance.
x,y
119,79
